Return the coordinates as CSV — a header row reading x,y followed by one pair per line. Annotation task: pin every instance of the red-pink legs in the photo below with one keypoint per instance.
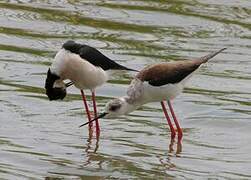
x,y
95,112
168,120
86,107
180,134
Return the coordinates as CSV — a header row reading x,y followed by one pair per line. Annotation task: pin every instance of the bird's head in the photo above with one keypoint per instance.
x,y
114,108
56,93
55,88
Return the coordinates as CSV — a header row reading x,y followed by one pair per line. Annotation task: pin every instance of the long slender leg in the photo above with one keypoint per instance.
x,y
95,111
168,119
86,107
180,134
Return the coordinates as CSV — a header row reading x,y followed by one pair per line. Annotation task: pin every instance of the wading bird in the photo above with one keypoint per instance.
x,y
156,83
85,66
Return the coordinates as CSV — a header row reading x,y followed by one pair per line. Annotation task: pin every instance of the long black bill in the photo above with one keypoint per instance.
x,y
100,116
68,84
125,68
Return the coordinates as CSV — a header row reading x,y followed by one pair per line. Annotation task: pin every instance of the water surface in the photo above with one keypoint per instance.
x,y
41,139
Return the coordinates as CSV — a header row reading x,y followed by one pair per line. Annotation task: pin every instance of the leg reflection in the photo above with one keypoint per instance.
x,y
178,147
170,150
91,148
166,160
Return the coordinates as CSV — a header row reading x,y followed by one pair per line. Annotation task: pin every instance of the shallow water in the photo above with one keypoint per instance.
x,y
41,139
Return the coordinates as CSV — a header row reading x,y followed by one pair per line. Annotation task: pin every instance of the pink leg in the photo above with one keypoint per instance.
x,y
86,107
95,112
180,134
168,120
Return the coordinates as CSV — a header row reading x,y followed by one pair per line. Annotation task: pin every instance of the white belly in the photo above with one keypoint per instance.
x,y
83,74
89,78
158,93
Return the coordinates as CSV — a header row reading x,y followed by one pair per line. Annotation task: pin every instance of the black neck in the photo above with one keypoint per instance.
x,y
50,79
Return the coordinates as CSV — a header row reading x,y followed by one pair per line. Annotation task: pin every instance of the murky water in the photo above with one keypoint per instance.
x,y
41,139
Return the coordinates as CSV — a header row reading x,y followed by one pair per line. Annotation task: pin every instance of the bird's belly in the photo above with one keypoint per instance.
x,y
159,93
85,75
89,81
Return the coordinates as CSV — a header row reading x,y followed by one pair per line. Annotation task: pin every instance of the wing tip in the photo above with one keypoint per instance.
x,y
204,59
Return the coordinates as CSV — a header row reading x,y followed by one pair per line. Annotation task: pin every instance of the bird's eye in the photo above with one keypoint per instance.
x,y
114,107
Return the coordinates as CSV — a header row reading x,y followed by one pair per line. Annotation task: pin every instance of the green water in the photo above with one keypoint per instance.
x,y
40,138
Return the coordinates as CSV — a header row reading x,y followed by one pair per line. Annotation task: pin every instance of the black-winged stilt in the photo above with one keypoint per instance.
x,y
156,83
85,66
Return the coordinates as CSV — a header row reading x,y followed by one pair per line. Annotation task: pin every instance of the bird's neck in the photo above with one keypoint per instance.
x,y
50,79
130,106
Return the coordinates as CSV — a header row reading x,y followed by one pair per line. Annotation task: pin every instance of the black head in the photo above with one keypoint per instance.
x,y
56,92
72,46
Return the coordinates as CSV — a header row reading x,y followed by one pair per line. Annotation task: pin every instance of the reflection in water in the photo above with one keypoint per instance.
x,y
90,138
178,148
166,160
88,148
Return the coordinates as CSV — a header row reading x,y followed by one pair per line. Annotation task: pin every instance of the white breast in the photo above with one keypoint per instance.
x,y
71,66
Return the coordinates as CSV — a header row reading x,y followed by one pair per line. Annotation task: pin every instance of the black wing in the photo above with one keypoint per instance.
x,y
93,56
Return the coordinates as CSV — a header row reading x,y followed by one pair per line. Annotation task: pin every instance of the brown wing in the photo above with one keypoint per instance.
x,y
170,72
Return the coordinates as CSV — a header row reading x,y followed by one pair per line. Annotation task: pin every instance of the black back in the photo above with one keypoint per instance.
x,y
93,56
